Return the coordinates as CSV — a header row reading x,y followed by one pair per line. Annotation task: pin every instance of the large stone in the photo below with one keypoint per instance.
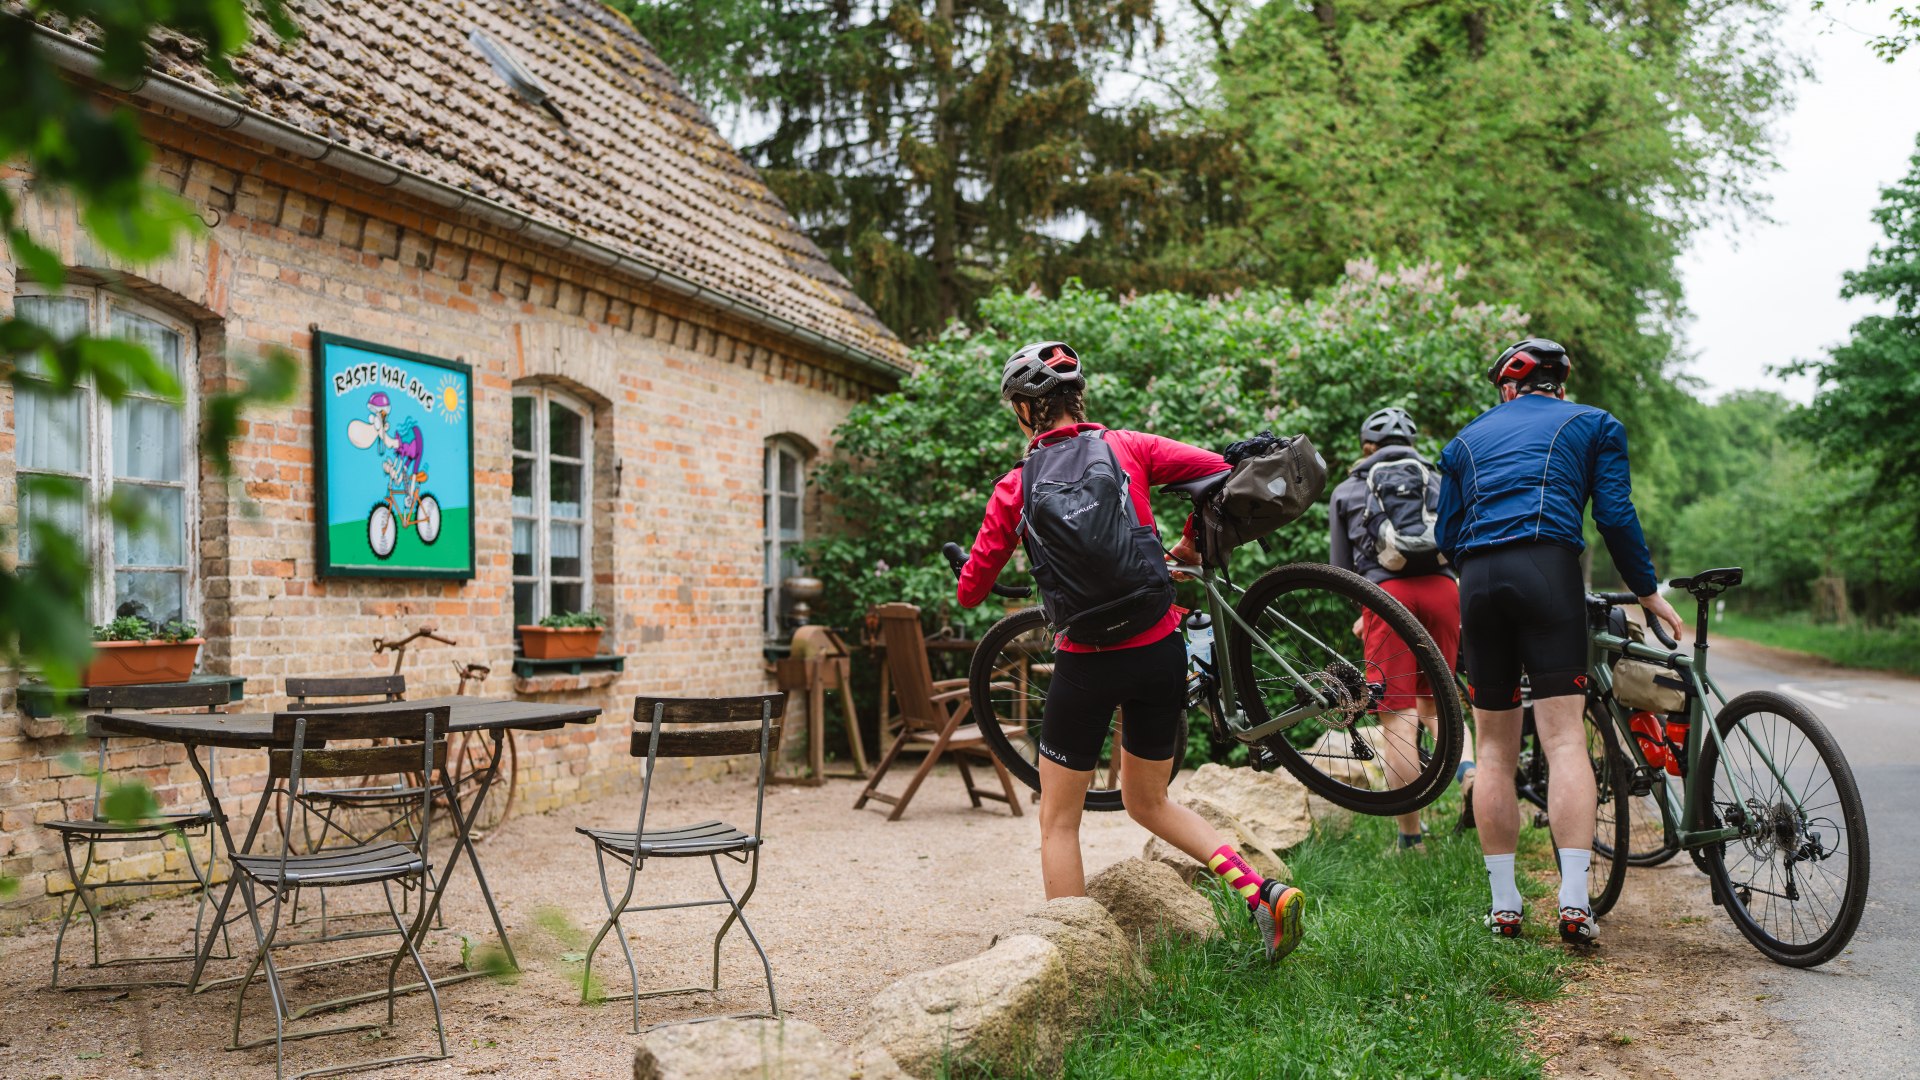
x,y
1274,807
1148,900
759,1049
1005,1010
1100,956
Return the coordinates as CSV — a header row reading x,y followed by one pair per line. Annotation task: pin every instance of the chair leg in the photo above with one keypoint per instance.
x,y
880,772
59,939
1006,784
934,754
613,923
966,777
407,948
739,912
263,939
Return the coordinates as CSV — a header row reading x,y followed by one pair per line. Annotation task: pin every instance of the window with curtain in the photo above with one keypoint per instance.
x,y
136,451
782,525
552,481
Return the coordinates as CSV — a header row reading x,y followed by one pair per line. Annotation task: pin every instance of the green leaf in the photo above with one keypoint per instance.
x,y
129,801
143,224
43,265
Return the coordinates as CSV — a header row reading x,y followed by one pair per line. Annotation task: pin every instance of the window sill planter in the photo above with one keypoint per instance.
x,y
560,643
131,663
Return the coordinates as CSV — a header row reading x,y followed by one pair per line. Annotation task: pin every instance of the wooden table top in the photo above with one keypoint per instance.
x,y
255,730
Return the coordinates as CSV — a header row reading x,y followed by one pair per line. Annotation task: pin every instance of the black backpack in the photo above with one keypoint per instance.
x,y
1403,497
1102,575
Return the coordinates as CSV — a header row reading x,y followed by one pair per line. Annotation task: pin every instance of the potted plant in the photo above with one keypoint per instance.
x,y
132,650
568,635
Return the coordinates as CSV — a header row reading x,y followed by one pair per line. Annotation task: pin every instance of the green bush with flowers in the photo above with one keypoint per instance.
x,y
912,469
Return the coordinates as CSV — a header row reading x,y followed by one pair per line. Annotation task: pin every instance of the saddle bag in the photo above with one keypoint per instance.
x,y
1274,482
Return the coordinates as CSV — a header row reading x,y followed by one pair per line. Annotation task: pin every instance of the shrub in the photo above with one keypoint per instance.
x,y
574,620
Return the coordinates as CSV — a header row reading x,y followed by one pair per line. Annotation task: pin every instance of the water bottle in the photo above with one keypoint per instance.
x,y
1199,629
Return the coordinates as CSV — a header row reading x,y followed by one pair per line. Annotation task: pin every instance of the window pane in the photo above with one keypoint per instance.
x,y
789,473
523,486
161,539
62,316
146,440
566,596
523,596
522,547
563,550
158,596
563,489
159,338
768,554
51,428
790,515
563,430
64,514
523,423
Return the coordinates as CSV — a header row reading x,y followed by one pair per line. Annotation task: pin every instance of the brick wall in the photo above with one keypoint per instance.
x,y
684,401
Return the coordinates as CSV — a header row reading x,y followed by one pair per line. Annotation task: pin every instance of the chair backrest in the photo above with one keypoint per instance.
x,y
419,746
710,727
907,665
209,696
303,689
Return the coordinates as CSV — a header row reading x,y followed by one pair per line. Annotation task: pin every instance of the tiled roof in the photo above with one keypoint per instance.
x,y
638,166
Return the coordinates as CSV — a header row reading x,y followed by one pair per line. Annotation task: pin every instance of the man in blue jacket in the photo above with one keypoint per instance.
x,y
1514,485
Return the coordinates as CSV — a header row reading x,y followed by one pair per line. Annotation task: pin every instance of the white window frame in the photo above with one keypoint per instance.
x,y
542,579
97,524
772,544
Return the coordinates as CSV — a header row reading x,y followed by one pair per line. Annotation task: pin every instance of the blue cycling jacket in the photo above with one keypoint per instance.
x,y
1524,471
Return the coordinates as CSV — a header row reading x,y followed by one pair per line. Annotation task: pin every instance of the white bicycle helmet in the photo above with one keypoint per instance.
x,y
1039,369
1389,423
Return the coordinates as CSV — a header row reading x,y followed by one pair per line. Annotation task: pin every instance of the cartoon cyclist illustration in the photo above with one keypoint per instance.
x,y
402,448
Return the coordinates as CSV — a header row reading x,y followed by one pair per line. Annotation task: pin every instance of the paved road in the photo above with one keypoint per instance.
x,y
1859,1014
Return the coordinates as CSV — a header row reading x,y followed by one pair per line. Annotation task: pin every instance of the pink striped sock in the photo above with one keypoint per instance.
x,y
1239,877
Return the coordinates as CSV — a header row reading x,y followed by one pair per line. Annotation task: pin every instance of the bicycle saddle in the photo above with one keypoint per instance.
x,y
1198,489
1710,583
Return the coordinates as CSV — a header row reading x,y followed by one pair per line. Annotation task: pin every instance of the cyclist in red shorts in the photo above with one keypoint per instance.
x,y
1381,521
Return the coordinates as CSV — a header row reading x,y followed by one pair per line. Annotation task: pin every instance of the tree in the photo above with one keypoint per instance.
x,y
55,136
935,149
912,469
1895,42
1563,153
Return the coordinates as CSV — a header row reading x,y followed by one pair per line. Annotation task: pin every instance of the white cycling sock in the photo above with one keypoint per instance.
x,y
1506,894
1573,878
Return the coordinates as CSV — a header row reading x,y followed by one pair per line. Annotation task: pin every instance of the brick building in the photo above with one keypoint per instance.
x,y
655,352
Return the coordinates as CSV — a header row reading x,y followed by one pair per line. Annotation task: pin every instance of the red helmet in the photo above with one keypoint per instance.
x,y
1535,361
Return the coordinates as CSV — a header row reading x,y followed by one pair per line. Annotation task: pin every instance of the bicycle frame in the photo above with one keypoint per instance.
x,y
1220,610
1697,790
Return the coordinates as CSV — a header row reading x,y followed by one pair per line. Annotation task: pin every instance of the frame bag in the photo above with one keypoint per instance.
x,y
1649,687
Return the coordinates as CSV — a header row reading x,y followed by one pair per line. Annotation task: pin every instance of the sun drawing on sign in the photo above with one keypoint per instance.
x,y
450,403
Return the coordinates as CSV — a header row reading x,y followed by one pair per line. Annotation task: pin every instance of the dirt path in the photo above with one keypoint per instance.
x,y
847,903
1675,991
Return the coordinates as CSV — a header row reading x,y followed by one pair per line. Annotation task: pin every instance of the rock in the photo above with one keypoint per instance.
x,y
1148,899
1002,1011
760,1049
1264,860
1098,954
874,1063
1158,850
1273,807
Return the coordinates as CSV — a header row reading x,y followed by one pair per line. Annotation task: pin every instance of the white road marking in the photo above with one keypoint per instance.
x,y
1812,698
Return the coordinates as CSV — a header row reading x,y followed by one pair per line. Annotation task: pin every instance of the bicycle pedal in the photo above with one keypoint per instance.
x,y
1262,759
1540,821
1643,778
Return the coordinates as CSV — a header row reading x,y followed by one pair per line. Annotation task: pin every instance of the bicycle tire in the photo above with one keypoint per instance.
x,y
987,706
1307,585
1612,773
1793,827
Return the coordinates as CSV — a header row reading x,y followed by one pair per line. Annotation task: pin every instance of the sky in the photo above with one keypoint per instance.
x,y
1768,293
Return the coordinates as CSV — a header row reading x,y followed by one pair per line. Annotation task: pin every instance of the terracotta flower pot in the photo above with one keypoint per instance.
x,y
560,642
125,663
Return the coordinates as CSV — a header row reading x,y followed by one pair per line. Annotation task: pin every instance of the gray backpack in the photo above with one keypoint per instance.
x,y
1403,497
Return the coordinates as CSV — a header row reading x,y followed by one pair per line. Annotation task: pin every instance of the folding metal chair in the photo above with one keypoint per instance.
x,y
420,745
90,834
706,727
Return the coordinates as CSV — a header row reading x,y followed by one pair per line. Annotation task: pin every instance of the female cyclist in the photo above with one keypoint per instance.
x,y
1143,675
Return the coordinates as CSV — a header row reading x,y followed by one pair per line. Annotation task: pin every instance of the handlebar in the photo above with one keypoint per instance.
x,y
1622,599
957,558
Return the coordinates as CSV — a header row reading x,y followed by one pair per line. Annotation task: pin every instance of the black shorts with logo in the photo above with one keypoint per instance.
x,y
1523,607
1148,684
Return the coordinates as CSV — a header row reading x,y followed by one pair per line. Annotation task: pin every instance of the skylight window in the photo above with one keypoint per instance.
x,y
514,74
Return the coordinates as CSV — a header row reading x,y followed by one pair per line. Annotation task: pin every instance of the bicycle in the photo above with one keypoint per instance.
x,y
402,509
1294,673
469,753
1766,805
1613,812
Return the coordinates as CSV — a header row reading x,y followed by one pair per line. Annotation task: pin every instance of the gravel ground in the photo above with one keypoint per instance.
x,y
847,903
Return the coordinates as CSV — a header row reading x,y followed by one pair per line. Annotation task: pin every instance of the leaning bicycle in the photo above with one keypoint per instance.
x,y
1755,789
1288,679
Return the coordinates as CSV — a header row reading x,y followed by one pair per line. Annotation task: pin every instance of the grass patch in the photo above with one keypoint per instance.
x,y
1892,647
1397,977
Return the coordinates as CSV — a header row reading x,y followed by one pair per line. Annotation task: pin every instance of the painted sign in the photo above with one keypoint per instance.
x,y
393,447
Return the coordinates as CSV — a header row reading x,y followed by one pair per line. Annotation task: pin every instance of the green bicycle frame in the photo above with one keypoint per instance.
x,y
1236,719
1701,725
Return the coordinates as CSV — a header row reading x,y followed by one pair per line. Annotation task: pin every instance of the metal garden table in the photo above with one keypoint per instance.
x,y
254,731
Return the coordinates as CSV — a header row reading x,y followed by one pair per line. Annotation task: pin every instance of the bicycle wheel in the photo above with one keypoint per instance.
x,y
1008,680
1797,883
1650,842
469,754
1306,614
1613,812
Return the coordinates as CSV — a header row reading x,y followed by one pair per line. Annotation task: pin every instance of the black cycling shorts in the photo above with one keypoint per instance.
x,y
1148,684
1523,607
